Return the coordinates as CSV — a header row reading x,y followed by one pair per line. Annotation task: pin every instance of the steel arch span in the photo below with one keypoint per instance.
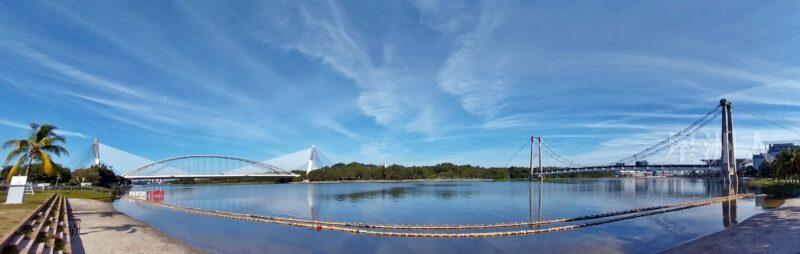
x,y
205,166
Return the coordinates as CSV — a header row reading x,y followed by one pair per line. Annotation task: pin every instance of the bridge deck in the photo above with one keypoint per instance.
x,y
209,176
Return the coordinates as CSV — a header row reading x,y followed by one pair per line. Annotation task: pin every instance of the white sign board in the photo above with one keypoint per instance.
x,y
16,190
18,180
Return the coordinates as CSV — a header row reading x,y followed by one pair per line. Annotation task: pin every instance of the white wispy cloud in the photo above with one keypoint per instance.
x,y
19,125
381,152
14,124
71,71
336,126
479,92
327,35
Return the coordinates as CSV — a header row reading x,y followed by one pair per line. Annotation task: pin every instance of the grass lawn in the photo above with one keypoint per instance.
x,y
10,215
778,188
87,194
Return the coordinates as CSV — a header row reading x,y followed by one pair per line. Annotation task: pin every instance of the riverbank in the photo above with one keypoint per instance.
x,y
775,231
104,230
778,188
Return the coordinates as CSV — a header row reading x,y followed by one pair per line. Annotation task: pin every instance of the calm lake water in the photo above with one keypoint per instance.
x,y
441,203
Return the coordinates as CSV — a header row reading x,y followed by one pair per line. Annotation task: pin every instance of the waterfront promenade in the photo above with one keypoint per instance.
x,y
104,230
775,231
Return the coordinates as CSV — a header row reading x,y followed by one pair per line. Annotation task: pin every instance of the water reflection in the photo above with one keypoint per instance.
x,y
440,191
729,206
447,203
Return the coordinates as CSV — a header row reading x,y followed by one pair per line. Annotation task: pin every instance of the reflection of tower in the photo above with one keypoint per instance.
x,y
310,195
96,152
729,206
539,207
530,201
311,159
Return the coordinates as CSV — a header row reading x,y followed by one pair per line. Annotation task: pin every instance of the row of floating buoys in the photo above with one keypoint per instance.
x,y
364,228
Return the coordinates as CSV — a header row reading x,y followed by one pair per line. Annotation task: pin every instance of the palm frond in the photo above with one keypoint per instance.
x,y
16,143
47,164
14,170
55,149
14,154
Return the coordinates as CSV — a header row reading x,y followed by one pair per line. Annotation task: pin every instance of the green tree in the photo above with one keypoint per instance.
x,y
36,148
786,165
36,174
98,175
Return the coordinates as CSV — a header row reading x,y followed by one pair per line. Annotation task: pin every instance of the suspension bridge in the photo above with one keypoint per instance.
x,y
726,165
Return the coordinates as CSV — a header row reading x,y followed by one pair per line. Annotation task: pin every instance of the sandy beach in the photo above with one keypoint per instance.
x,y
104,230
775,231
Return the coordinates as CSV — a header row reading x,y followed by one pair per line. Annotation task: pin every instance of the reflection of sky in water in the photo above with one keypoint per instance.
x,y
444,203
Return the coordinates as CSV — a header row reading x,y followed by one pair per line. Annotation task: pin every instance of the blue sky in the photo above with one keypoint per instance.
x,y
409,82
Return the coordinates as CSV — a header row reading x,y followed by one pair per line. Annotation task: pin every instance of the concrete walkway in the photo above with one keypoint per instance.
x,y
776,231
104,230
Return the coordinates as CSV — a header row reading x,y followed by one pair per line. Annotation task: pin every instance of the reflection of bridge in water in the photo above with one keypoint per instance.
x,y
634,189
667,195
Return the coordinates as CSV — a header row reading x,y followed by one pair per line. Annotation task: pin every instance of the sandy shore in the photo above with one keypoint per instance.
x,y
104,230
776,231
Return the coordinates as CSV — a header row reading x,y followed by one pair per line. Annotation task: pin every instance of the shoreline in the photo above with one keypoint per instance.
x,y
774,231
103,229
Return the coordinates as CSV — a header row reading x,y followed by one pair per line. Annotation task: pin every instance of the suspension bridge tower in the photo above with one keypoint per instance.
x,y
728,160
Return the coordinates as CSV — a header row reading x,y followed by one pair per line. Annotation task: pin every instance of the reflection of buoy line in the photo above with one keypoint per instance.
x,y
364,228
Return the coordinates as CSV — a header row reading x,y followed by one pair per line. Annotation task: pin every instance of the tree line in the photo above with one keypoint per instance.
x,y
785,167
98,175
359,171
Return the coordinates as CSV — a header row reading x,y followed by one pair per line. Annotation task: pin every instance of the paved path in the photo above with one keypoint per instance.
x,y
776,231
104,230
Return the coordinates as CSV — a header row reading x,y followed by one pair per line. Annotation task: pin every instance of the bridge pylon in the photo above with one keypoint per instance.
x,y
96,151
728,158
538,142
311,159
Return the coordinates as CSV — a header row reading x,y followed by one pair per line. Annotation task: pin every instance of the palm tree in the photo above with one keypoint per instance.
x,y
36,148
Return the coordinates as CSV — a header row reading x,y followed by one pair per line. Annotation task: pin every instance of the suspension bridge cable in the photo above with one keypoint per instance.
x,y
550,151
683,134
782,119
515,154
772,120
680,139
779,119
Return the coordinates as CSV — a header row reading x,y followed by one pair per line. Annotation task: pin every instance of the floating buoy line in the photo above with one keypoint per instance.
x,y
383,229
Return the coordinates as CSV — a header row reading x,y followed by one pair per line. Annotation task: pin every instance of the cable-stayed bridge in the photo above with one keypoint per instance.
x,y
132,166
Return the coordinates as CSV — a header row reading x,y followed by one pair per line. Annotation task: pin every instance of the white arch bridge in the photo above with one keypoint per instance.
x,y
206,166
131,166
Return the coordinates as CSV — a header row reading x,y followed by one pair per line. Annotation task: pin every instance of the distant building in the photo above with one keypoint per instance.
x,y
641,163
772,152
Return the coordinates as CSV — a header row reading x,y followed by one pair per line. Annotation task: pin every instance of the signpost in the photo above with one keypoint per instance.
x,y
16,190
